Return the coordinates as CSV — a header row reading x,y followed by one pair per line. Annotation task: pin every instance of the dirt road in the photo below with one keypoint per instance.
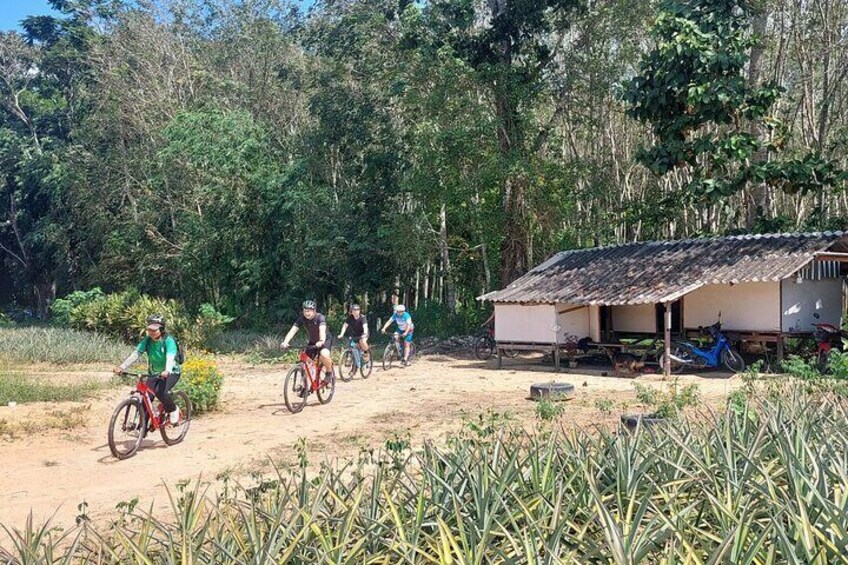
x,y
52,472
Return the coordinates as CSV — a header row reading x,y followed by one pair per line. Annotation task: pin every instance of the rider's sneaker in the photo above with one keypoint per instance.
x,y
174,417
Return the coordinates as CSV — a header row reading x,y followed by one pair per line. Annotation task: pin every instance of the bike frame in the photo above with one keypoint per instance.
x,y
397,337
146,392
311,366
357,352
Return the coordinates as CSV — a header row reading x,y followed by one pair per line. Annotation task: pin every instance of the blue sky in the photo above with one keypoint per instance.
x,y
13,11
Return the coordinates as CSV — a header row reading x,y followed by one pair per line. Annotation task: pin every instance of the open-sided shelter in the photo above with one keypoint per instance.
x,y
764,287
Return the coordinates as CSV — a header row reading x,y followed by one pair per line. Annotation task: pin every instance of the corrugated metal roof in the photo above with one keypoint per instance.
x,y
662,271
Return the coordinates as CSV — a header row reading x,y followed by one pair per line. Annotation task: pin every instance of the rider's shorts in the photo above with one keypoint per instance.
x,y
312,350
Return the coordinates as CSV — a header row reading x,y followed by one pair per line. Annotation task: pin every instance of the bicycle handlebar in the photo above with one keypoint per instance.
x,y
137,375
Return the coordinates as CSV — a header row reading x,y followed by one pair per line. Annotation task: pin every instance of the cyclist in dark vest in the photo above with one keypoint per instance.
x,y
161,350
320,338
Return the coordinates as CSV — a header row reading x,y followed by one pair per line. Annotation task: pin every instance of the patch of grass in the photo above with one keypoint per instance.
x,y
66,420
21,389
59,346
605,405
668,403
549,408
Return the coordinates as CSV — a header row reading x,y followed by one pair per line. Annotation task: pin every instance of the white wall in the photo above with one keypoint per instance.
x,y
744,306
573,321
801,301
525,322
595,322
634,318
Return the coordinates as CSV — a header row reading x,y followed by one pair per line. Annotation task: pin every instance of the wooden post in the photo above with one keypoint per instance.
x,y
779,351
556,357
667,340
500,355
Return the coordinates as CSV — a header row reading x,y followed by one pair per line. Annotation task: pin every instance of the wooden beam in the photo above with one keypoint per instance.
x,y
832,256
572,309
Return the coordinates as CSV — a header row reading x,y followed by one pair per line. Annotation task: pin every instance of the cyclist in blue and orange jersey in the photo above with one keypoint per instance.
x,y
405,328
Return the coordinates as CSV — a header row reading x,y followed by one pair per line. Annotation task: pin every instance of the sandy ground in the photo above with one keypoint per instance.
x,y
50,472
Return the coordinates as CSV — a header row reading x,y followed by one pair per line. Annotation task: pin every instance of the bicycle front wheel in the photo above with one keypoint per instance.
x,y
172,434
389,356
127,428
347,366
327,388
366,365
296,389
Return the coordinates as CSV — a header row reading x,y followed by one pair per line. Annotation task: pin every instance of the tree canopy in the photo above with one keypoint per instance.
x,y
249,154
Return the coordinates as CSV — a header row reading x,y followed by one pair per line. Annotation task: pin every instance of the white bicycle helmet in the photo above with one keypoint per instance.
x,y
400,308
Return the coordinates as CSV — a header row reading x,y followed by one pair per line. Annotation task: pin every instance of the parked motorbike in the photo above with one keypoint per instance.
x,y
687,354
828,337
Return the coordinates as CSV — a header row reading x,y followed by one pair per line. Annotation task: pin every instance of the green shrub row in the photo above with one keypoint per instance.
x,y
123,314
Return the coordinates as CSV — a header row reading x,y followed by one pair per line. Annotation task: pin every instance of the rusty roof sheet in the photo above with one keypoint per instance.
x,y
663,271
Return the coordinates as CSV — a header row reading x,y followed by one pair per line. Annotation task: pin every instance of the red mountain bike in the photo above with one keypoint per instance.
x,y
135,417
305,378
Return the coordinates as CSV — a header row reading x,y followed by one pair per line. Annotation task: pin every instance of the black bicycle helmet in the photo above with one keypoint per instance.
x,y
156,319
309,305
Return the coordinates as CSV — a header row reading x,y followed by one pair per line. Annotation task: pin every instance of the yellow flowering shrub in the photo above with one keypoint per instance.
x,y
202,381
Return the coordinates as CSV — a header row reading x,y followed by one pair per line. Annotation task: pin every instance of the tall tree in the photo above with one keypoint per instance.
x,y
708,120
511,44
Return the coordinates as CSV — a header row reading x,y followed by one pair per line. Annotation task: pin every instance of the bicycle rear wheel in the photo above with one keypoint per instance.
x,y
366,365
389,356
327,388
295,389
173,435
127,428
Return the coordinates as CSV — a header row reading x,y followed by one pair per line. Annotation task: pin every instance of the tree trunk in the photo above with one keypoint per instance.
x,y
449,296
515,245
757,201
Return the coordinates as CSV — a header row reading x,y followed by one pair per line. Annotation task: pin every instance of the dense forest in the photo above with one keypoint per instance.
x,y
251,153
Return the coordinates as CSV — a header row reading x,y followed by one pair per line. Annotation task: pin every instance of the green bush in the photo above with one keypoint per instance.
x,y
667,403
123,315
202,381
61,346
836,379
60,311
